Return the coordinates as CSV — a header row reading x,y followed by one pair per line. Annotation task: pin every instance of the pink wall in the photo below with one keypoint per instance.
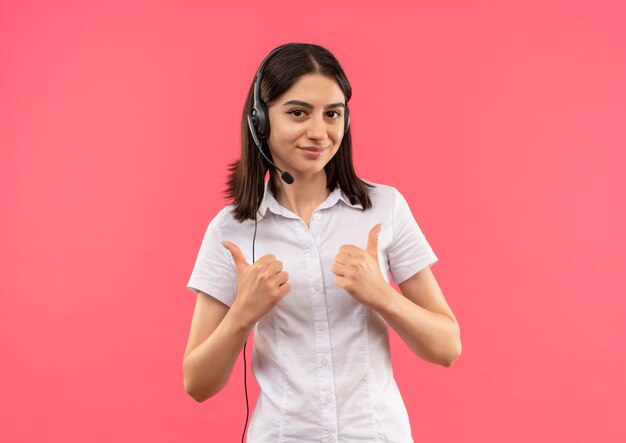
x,y
503,124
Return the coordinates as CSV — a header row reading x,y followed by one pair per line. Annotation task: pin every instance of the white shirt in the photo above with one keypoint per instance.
x,y
321,358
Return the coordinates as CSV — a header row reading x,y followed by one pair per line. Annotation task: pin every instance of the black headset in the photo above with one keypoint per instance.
x,y
258,118
259,125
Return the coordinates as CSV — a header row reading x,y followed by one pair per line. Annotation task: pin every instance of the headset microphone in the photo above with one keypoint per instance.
x,y
287,177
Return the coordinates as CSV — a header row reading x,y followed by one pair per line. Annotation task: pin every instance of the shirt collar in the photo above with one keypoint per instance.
x,y
270,202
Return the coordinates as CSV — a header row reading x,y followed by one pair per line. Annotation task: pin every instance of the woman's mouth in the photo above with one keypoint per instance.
x,y
312,148
312,152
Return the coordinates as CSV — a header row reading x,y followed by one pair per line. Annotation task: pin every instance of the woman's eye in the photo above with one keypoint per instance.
x,y
300,113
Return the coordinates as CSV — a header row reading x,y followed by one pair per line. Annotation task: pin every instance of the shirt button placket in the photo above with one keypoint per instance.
x,y
322,334
315,227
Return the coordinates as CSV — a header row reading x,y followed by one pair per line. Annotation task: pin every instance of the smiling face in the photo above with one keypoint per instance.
x,y
308,115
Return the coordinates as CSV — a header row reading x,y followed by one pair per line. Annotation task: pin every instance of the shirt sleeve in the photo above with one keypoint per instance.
x,y
214,272
409,252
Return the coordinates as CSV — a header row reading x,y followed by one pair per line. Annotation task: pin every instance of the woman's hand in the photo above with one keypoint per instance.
x,y
358,272
260,286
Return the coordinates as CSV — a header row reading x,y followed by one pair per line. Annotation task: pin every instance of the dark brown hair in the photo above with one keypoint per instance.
x,y
247,175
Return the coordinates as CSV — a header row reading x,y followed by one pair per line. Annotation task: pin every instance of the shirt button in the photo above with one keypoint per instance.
x,y
324,362
317,288
316,217
329,398
321,325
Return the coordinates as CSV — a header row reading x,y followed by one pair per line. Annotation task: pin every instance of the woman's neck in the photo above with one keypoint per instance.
x,y
304,194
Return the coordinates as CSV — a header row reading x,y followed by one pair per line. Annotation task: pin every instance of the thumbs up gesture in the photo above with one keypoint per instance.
x,y
260,286
358,272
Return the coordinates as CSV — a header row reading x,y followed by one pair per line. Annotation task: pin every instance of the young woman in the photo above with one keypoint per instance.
x,y
303,259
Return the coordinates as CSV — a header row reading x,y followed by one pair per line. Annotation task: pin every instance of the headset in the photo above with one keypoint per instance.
x,y
259,126
258,118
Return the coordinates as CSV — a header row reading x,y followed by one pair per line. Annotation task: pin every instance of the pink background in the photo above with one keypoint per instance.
x,y
503,124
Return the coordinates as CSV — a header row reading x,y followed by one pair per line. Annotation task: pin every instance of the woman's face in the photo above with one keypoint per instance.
x,y
309,115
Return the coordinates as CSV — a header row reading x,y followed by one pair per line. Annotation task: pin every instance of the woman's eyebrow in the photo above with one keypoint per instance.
x,y
310,106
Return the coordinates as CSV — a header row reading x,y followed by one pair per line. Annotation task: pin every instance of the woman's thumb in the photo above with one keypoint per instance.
x,y
238,258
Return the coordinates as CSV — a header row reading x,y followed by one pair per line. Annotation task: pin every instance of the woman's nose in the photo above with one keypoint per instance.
x,y
317,128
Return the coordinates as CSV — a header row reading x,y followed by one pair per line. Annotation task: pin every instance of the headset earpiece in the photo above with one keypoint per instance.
x,y
260,119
